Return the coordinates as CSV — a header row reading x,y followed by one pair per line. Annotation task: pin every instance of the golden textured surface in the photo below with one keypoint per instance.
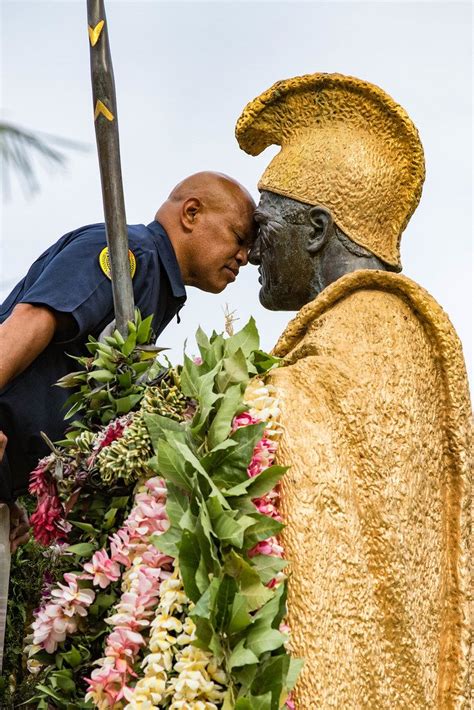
x,y
376,411
101,108
345,144
94,32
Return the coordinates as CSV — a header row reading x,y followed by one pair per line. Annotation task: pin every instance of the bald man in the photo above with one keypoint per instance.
x,y
200,237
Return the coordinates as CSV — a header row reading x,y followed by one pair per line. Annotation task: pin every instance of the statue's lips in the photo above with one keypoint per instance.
x,y
263,277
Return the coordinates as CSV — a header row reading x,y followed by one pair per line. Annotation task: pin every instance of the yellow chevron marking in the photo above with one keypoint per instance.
x,y
101,108
94,33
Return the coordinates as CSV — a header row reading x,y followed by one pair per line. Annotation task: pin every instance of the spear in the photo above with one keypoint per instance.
x,y
108,148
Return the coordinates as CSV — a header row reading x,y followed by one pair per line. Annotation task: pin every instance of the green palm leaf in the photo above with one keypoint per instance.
x,y
23,151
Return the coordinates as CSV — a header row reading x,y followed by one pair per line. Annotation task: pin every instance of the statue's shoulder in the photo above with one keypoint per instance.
x,y
371,331
384,310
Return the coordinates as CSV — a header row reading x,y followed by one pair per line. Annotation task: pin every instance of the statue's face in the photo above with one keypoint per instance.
x,y
287,271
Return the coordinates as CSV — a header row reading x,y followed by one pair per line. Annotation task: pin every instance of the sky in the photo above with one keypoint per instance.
x,y
183,73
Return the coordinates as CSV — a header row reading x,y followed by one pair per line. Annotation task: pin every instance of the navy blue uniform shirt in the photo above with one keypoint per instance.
x,y
68,278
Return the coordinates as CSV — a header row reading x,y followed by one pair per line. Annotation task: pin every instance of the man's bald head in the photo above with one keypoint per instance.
x,y
214,188
209,219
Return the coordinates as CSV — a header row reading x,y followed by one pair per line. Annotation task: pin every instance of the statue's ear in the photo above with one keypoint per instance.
x,y
322,222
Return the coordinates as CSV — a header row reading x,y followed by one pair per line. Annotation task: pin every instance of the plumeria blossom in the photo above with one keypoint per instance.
x,y
102,570
145,570
176,672
59,617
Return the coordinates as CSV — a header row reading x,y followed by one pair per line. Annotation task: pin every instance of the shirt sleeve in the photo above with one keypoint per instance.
x,y
74,283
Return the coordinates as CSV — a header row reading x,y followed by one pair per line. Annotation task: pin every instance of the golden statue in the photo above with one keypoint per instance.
x,y
375,404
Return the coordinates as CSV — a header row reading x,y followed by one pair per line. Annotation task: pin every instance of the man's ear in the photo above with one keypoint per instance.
x,y
322,222
189,212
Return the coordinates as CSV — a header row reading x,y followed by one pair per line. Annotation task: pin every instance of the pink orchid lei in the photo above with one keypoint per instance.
x,y
146,568
59,616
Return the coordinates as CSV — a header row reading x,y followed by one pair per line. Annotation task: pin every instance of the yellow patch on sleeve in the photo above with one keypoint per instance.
x,y
104,261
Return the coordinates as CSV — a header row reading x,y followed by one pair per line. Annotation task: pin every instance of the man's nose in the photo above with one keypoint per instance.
x,y
242,256
254,252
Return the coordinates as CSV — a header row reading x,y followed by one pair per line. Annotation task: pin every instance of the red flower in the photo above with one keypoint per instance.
x,y
48,519
40,481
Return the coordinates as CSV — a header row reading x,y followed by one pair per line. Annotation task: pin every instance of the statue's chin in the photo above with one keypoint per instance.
x,y
277,301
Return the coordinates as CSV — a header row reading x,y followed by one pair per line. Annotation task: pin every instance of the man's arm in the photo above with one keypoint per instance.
x,y
24,335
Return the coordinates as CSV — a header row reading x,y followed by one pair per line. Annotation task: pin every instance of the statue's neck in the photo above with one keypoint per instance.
x,y
336,261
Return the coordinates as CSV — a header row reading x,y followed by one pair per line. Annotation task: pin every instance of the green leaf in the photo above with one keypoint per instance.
x,y
159,426
202,575
218,343
49,692
229,468
206,398
261,639
221,424
251,587
224,599
270,677
239,616
234,371
230,530
208,639
167,542
189,559
210,460
125,380
63,680
268,566
228,702
188,456
144,331
206,542
72,657
264,362
263,528
243,704
259,485
176,503
82,549
255,702
246,339
109,518
123,405
296,664
241,656
129,343
171,465
207,351
187,521
189,378
206,604
87,527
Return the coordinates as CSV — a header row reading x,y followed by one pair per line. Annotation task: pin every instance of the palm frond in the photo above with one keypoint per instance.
x,y
23,151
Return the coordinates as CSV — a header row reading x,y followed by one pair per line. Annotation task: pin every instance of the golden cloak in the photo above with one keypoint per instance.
x,y
376,415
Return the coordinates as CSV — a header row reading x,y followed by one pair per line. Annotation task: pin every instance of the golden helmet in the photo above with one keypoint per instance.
x,y
346,145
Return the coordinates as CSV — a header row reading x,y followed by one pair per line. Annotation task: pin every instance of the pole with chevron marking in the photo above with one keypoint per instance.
x,y
107,137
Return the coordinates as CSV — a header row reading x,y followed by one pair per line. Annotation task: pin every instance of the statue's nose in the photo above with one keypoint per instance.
x,y
254,253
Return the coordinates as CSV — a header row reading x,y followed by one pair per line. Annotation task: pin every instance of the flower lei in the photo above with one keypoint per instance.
x,y
171,620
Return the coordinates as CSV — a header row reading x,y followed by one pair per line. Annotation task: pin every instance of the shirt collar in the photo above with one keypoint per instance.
x,y
168,259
